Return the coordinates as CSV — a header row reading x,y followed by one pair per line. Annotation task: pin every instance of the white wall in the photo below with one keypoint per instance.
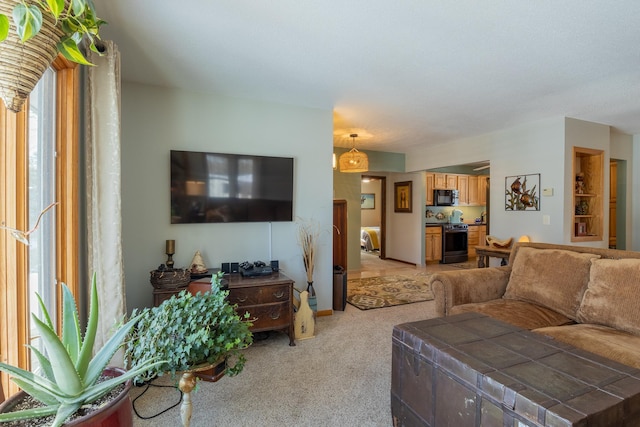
x,y
622,149
371,217
405,231
579,133
526,149
156,120
634,243
543,147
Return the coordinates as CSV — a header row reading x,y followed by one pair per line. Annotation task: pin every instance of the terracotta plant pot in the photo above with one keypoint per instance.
x,y
117,413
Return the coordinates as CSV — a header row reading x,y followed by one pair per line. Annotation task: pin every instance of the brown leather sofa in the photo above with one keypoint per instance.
x,y
587,297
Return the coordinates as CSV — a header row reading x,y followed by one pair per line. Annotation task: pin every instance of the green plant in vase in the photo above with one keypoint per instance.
x,y
190,330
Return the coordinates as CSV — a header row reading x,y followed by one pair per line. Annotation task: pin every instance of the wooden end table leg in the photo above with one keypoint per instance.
x,y
186,385
481,261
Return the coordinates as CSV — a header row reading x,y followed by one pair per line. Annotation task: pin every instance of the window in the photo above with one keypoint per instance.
x,y
41,146
38,164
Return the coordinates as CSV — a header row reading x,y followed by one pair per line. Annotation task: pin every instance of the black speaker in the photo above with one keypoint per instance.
x,y
235,267
275,265
226,268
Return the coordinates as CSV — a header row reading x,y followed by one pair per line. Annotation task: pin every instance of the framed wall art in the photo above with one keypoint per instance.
x,y
367,201
521,192
402,197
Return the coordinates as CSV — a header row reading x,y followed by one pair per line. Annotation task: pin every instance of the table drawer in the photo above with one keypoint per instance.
x,y
269,316
261,295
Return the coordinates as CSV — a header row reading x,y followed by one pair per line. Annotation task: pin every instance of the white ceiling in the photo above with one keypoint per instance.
x,y
400,74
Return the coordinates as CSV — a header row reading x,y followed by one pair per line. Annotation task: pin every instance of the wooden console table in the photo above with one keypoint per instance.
x,y
484,252
268,299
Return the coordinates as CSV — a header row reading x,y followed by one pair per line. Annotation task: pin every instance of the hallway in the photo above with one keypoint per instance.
x,y
372,266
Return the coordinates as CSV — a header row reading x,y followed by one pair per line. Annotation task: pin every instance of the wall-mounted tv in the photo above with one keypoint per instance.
x,y
220,187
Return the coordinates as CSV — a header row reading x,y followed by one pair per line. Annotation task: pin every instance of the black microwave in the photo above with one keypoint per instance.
x,y
445,197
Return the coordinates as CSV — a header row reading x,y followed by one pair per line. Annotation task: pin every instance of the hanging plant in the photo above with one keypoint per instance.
x,y
32,33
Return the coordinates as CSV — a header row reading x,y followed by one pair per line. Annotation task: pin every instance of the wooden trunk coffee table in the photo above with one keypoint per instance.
x,y
473,370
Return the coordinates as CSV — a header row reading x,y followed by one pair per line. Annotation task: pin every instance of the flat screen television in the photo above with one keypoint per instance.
x,y
220,187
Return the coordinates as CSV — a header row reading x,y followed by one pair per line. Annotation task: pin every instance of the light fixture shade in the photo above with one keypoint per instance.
x,y
354,161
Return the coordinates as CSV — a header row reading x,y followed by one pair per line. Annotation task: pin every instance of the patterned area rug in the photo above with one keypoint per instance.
x,y
387,291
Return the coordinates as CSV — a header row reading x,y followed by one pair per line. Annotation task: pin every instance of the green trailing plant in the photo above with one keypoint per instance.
x,y
75,18
68,376
189,330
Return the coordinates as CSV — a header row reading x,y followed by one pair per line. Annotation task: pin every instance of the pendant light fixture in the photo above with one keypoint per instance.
x,y
354,160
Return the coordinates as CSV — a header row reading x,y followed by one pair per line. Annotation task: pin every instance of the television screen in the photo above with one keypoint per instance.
x,y
218,187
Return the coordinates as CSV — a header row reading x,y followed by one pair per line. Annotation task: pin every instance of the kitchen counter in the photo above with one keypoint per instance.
x,y
440,224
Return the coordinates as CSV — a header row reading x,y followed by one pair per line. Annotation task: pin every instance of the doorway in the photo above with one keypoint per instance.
x,y
373,218
617,204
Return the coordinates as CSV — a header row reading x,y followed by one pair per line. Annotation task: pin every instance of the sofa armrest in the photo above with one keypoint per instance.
x,y
453,288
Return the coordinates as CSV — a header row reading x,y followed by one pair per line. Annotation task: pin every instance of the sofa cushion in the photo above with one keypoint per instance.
x,y
612,297
519,313
554,278
602,340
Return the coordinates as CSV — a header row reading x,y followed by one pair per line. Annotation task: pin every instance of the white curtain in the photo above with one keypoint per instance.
x,y
104,219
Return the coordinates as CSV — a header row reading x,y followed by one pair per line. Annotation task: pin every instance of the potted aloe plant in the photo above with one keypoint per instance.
x,y
70,378
33,32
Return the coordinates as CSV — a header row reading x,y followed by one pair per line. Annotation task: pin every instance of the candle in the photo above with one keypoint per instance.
x,y
171,246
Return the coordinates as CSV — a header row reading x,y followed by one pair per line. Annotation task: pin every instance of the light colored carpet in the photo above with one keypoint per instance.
x,y
387,291
341,377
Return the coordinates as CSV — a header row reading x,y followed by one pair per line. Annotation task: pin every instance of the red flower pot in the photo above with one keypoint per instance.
x,y
117,413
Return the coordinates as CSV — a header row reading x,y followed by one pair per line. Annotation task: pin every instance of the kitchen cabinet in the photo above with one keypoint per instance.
x,y
451,182
463,190
433,243
588,173
482,235
430,186
483,180
445,181
476,236
474,188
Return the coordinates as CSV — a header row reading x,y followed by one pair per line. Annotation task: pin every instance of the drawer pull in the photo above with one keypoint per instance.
x,y
278,294
242,299
275,316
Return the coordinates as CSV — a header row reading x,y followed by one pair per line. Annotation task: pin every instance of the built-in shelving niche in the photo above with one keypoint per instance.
x,y
588,175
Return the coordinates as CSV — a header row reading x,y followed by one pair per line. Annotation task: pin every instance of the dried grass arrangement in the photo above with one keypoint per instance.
x,y
308,234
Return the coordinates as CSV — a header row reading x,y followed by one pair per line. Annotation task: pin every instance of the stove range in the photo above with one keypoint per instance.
x,y
454,243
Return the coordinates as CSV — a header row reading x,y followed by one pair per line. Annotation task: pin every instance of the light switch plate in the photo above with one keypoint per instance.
x,y
546,220
547,191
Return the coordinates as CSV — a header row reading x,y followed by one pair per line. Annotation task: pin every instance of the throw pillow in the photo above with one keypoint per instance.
x,y
612,295
553,278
